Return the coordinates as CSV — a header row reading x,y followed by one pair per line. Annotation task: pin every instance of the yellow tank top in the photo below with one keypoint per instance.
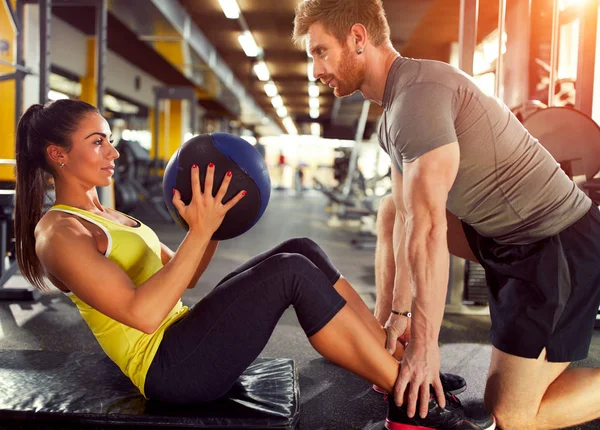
x,y
137,251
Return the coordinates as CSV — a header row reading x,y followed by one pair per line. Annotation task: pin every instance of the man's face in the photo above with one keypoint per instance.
x,y
335,64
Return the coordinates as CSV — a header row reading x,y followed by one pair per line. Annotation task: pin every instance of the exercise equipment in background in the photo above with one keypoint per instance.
x,y
229,153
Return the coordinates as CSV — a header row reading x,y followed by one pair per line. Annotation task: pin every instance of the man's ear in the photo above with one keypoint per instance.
x,y
358,32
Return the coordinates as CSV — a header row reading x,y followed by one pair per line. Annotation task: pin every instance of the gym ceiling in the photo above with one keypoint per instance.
x,y
419,28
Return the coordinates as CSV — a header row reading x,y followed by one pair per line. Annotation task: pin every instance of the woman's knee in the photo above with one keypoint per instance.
x,y
295,262
302,245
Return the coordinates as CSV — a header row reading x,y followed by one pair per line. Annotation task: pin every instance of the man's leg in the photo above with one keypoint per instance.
x,y
528,394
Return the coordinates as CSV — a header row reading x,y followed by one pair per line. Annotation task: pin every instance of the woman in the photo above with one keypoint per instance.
x,y
128,286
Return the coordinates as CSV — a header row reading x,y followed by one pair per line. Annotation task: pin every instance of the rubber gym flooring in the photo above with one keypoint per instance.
x,y
331,398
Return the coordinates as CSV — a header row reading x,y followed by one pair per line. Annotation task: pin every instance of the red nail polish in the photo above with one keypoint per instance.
x,y
211,165
243,193
229,174
195,166
173,191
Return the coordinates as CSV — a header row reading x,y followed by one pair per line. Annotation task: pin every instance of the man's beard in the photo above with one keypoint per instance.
x,y
350,75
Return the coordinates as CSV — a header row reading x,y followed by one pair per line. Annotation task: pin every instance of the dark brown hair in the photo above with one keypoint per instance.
x,y
40,126
338,16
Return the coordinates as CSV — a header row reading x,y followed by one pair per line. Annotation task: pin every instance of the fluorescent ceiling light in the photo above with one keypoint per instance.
x,y
314,113
271,89
313,90
310,71
262,71
277,102
230,8
289,125
282,112
313,103
315,128
55,95
248,44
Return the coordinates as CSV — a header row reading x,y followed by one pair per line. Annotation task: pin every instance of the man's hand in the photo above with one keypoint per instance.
x,y
398,328
419,369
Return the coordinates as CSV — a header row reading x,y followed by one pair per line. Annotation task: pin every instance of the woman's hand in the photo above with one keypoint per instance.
x,y
205,213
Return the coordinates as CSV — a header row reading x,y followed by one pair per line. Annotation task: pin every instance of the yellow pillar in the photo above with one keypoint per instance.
x,y
175,136
88,82
162,132
163,118
8,92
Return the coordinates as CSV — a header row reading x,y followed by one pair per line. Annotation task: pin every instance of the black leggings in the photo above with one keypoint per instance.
x,y
202,355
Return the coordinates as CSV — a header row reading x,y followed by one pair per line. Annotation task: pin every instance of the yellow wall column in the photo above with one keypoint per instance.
x,y
8,92
175,137
88,82
162,131
176,53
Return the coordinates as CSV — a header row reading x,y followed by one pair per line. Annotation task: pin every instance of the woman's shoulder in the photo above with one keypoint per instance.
x,y
55,224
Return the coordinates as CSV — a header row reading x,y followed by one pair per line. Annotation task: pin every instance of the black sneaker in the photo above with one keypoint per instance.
x,y
452,417
452,384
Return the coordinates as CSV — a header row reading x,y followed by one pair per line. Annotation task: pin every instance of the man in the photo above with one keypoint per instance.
x,y
470,180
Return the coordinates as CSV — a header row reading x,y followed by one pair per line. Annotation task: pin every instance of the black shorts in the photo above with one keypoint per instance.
x,y
545,294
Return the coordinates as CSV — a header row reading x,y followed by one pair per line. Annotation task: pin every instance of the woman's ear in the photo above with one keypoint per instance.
x,y
56,154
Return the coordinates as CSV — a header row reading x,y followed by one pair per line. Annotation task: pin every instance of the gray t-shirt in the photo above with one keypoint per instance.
x,y
508,187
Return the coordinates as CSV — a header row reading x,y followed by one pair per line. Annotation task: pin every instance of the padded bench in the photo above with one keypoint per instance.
x,y
88,388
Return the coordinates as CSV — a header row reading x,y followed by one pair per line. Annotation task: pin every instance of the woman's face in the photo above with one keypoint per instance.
x,y
91,158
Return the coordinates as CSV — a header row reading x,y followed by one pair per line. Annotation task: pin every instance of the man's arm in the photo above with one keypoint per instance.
x,y
426,184
402,297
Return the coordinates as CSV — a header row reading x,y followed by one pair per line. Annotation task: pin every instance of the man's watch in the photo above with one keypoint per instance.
x,y
402,314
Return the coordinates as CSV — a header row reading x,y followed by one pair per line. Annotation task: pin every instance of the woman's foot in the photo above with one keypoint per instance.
x,y
452,417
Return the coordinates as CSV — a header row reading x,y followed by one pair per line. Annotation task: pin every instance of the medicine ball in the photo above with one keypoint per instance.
x,y
229,153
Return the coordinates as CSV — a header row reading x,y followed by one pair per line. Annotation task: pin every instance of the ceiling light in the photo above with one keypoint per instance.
x,y
310,71
56,95
314,113
230,8
277,102
313,90
313,103
282,112
315,129
248,44
262,71
271,89
289,125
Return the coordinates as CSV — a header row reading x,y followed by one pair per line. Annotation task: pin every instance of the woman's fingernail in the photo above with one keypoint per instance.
x,y
173,191
211,165
243,193
195,166
229,174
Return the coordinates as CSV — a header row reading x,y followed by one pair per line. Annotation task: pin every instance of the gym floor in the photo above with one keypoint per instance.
x,y
331,398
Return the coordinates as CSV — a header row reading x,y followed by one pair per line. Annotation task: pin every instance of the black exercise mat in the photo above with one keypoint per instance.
x,y
88,388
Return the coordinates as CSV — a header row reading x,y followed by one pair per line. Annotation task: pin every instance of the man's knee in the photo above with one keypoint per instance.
x,y
510,412
508,419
